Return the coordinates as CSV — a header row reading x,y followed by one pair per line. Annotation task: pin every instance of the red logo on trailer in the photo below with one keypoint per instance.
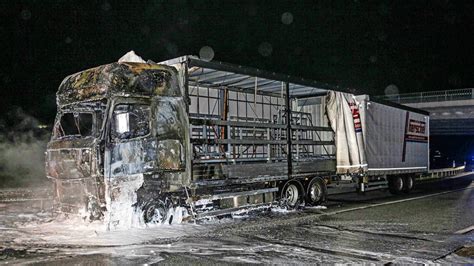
x,y
356,116
416,131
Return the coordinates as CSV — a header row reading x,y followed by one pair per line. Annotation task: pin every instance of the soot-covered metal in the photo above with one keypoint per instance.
x,y
121,147
139,79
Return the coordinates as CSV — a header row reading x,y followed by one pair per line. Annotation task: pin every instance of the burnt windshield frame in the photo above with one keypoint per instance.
x,y
98,109
60,132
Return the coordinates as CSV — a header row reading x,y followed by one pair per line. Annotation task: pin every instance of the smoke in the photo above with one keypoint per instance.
x,y
23,142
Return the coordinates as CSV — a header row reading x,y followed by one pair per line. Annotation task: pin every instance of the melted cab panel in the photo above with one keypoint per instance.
x,y
138,79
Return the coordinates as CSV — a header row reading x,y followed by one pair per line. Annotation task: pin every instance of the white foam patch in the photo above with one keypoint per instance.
x,y
121,196
319,207
122,211
279,209
179,214
244,213
78,232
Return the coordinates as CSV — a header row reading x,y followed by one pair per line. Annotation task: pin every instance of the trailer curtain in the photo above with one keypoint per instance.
x,y
344,118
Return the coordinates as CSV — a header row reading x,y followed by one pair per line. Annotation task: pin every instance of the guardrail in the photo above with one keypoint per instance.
x,y
444,172
431,96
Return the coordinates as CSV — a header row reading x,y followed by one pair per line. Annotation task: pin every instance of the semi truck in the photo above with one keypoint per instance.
x,y
134,140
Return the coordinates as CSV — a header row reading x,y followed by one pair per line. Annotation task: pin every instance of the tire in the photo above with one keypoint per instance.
x,y
316,191
155,212
395,184
408,184
292,194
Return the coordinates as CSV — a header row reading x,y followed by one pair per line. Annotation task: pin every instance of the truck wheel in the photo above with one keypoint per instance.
x,y
155,212
316,191
408,183
291,194
395,184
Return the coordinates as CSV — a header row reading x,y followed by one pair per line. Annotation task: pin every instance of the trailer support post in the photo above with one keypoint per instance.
x,y
288,130
187,99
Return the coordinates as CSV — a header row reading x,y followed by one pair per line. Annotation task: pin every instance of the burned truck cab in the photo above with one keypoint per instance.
x,y
120,140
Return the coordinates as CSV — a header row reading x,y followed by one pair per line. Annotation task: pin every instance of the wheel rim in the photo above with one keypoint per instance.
x,y
315,192
292,195
154,213
399,183
150,213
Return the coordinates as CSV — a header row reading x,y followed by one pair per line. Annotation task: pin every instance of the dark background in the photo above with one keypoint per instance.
x,y
364,45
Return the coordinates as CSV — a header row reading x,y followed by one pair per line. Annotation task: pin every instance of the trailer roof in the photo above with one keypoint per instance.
x,y
219,74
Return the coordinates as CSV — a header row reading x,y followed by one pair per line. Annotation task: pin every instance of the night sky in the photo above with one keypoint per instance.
x,y
366,45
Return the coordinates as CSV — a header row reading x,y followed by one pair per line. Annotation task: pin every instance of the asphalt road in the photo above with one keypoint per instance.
x,y
432,224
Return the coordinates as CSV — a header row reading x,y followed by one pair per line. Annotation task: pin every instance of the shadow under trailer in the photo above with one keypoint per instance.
x,y
138,141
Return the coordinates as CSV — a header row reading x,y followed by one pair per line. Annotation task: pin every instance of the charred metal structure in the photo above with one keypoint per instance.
x,y
209,136
177,134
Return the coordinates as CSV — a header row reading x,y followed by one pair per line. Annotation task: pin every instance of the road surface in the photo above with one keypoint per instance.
x,y
432,224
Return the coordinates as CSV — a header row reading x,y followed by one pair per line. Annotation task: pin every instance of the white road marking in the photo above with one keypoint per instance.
x,y
465,230
396,201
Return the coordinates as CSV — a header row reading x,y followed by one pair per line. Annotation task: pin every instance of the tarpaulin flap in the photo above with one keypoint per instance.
x,y
343,114
131,57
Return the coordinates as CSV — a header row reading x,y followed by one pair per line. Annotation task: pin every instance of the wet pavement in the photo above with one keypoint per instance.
x,y
373,228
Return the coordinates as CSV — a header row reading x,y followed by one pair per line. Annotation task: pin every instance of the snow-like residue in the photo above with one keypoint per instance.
x,y
128,227
319,207
78,232
281,209
244,213
121,197
122,211
179,214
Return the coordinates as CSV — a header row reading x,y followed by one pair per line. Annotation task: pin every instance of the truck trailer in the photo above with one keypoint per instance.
x,y
134,140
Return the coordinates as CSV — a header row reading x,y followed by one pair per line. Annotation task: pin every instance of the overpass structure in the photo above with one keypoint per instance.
x,y
451,111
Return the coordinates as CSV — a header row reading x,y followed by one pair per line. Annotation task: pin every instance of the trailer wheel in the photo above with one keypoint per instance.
x,y
292,194
408,183
395,184
316,191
